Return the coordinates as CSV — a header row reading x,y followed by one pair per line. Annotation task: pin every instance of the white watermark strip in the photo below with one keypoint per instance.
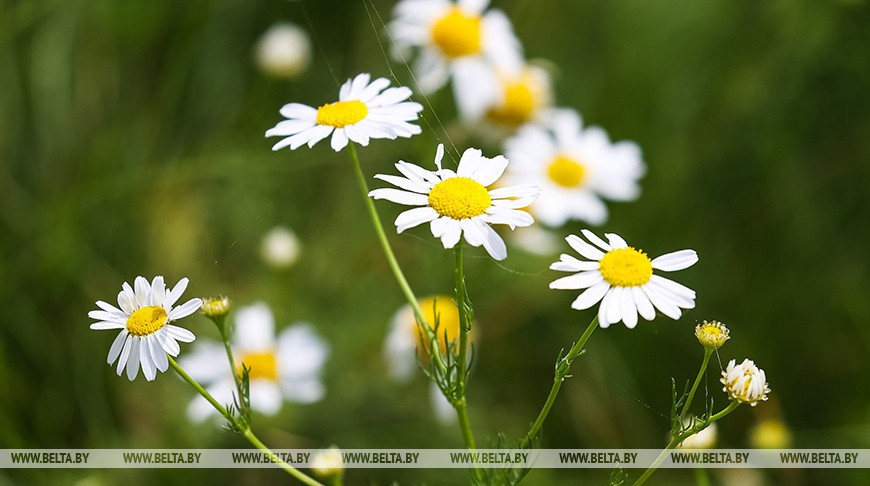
x,y
437,458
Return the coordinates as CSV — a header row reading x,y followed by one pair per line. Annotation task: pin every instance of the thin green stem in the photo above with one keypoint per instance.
x,y
391,258
562,368
707,353
236,378
302,477
681,437
701,477
190,381
243,427
461,361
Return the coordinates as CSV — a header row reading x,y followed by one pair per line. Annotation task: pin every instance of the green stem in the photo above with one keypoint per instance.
x,y
462,363
681,437
232,361
701,477
302,477
246,431
391,258
190,381
562,368
707,353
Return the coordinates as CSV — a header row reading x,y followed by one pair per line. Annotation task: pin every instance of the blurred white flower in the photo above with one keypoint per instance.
x,y
462,41
537,240
523,97
705,439
574,167
327,463
745,383
286,368
283,51
364,110
280,247
144,317
458,203
621,278
403,346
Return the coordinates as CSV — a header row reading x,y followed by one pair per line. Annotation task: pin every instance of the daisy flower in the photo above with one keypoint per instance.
x,y
523,97
403,342
144,317
286,368
460,40
745,383
712,334
458,203
621,278
575,168
363,111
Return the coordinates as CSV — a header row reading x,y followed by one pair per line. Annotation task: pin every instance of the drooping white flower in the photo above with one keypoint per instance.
x,y
363,111
745,383
621,278
575,168
458,204
283,51
286,368
145,314
463,41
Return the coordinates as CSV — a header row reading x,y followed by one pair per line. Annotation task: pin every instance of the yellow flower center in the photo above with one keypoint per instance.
x,y
342,113
146,320
566,172
459,198
626,267
457,34
448,319
262,365
519,104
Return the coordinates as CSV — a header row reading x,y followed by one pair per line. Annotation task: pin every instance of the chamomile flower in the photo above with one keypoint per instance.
x,y
457,204
286,368
575,168
621,278
144,315
523,97
404,347
363,111
462,41
745,383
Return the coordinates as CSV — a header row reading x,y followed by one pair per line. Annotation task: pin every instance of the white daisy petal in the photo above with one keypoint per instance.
x,y
415,217
629,310
180,334
400,197
590,296
452,233
143,290
594,239
158,354
126,301
614,306
104,325
661,303
641,301
410,185
158,291
117,345
677,260
492,242
674,287
584,249
472,233
167,343
148,368
602,308
110,308
125,354
133,359
299,111
174,294
615,240
580,280
186,309
106,316
490,172
339,139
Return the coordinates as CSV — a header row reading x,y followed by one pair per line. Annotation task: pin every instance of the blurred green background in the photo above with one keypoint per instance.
x,y
131,143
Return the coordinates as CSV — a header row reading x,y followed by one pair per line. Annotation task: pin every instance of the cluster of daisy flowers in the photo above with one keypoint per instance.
x,y
475,49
